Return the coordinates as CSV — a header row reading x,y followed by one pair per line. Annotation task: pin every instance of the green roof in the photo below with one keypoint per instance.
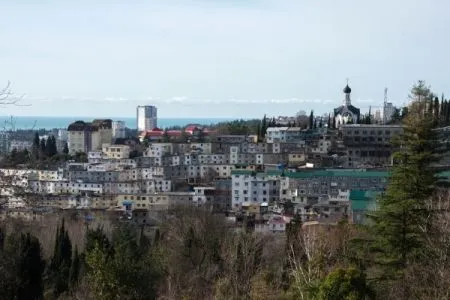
x,y
242,172
252,172
354,173
444,174
338,173
319,173
363,200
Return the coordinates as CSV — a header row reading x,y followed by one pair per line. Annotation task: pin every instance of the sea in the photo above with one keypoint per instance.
x,y
30,122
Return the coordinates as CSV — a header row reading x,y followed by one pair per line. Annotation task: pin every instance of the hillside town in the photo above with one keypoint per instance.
x,y
330,169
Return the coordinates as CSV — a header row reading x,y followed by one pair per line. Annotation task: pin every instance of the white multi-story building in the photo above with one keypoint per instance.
x,y
146,117
4,142
159,150
63,135
20,145
388,111
95,157
255,188
118,129
283,134
276,134
78,188
203,148
203,195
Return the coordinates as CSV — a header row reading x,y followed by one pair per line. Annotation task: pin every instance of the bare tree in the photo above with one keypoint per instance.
x,y
242,254
7,97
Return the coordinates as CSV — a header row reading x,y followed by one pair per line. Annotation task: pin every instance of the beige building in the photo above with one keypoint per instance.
x,y
116,151
295,159
85,137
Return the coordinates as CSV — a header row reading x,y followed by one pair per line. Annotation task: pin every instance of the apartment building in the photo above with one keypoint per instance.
x,y
118,129
146,117
368,144
314,183
85,136
116,151
253,187
158,150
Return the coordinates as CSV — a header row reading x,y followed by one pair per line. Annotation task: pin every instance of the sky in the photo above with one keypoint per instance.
x,y
218,58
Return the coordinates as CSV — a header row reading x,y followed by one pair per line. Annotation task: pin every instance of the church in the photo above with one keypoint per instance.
x,y
346,113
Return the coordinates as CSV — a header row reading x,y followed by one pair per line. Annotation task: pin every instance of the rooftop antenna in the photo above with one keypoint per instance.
x,y
385,105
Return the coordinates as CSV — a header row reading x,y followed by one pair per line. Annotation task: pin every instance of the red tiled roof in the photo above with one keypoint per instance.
x,y
154,133
174,132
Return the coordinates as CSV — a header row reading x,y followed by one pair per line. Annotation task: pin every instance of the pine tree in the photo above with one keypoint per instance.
x,y
36,146
311,119
401,221
66,148
61,261
263,127
42,147
48,147
53,148
436,111
258,133
447,112
74,269
442,111
157,237
30,269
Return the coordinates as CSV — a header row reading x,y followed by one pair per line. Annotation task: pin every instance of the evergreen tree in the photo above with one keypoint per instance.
x,y
21,268
329,121
36,146
42,147
61,261
447,112
74,269
48,146
263,127
436,111
311,119
344,284
127,272
402,219
14,155
442,111
404,113
54,149
258,133
30,269
66,148
166,137
157,237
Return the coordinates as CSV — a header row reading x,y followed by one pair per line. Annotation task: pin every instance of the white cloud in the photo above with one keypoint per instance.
x,y
365,101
